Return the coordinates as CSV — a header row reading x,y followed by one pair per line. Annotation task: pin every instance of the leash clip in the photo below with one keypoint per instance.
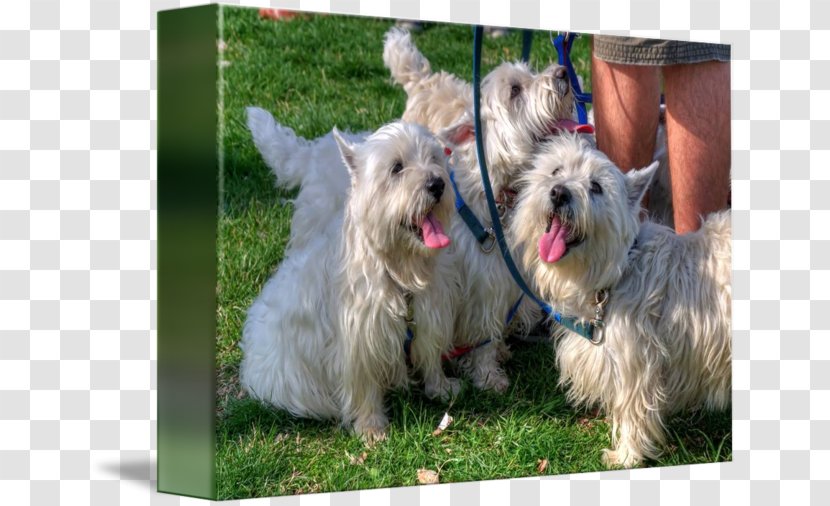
x,y
600,299
489,242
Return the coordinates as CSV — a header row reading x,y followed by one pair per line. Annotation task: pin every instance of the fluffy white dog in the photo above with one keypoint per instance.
x,y
520,108
326,337
664,300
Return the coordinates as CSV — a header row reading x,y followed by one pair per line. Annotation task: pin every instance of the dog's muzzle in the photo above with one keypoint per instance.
x,y
560,81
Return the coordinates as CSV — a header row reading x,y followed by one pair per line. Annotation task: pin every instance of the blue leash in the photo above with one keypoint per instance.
x,y
407,343
563,46
514,309
482,235
527,42
585,330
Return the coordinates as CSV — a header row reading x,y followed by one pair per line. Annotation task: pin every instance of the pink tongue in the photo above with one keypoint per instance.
x,y
434,236
552,244
570,125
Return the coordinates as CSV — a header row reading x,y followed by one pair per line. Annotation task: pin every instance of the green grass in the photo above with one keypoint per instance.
x,y
313,73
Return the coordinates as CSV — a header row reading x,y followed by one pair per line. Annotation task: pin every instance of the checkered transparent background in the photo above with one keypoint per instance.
x,y
78,251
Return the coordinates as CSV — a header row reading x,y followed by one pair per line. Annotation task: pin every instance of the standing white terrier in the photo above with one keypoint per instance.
x,y
664,300
326,337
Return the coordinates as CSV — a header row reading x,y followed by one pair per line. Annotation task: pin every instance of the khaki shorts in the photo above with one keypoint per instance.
x,y
637,51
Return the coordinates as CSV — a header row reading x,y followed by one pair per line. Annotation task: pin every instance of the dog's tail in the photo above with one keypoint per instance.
x,y
715,236
407,65
660,205
717,226
278,146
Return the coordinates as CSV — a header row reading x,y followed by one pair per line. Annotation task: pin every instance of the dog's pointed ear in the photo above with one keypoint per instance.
x,y
462,132
637,182
346,151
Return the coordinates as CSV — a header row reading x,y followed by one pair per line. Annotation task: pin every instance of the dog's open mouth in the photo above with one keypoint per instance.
x,y
430,231
557,240
559,126
569,125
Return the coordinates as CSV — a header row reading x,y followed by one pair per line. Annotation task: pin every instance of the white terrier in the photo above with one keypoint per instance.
x,y
326,337
519,109
664,300
440,99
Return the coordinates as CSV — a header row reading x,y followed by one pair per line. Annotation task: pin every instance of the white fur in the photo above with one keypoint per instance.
x,y
435,100
660,204
666,342
316,166
325,337
513,128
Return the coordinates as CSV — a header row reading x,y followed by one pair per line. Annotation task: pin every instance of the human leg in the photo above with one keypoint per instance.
x,y
627,110
699,134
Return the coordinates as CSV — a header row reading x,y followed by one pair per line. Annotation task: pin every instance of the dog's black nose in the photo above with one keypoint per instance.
x,y
435,187
561,83
560,196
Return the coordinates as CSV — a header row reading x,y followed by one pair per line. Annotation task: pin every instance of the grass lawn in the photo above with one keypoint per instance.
x,y
313,73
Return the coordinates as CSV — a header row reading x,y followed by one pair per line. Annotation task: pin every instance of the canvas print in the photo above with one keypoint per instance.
x,y
389,313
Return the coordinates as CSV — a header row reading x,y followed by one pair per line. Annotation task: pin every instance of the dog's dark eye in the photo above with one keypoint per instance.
x,y
397,167
557,170
596,188
515,90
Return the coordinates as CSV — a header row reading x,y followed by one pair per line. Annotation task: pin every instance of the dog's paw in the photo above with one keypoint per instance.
x,y
495,380
372,430
503,353
444,390
373,436
616,459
